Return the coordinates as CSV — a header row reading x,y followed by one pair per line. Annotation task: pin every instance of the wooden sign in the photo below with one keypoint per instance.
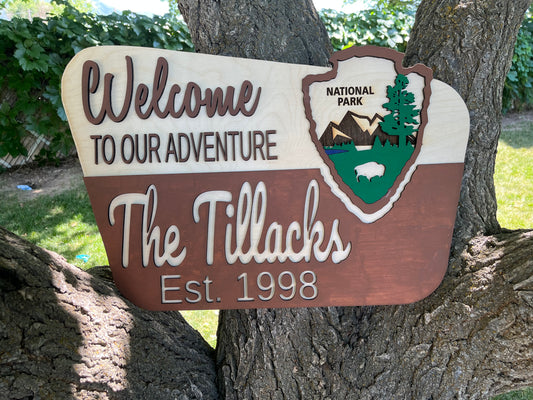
x,y
220,182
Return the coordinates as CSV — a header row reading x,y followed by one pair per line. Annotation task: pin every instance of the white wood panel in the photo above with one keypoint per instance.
x,y
280,108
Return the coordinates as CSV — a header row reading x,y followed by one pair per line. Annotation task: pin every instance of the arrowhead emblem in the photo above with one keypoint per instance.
x,y
367,117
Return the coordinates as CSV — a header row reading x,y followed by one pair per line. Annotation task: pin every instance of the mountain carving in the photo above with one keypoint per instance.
x,y
359,129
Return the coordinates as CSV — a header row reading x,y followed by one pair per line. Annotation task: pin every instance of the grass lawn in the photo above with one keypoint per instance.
x,y
64,222
513,176
526,394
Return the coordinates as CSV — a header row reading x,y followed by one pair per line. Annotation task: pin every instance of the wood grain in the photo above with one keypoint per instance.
x,y
188,158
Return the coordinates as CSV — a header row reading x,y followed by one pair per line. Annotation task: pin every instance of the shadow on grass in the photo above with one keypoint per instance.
x,y
63,223
518,135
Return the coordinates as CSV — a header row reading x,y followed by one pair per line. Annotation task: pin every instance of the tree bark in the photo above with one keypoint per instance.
x,y
286,31
471,338
469,45
65,334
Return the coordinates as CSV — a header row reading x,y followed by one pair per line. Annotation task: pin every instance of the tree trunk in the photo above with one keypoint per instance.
x,y
470,47
286,31
65,334
471,338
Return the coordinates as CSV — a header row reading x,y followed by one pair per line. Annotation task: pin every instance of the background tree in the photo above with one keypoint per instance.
x,y
468,339
41,9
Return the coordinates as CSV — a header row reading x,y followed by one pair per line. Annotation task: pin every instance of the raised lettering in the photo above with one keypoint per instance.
x,y
217,101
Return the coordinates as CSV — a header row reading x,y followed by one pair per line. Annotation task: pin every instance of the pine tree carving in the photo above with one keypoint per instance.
x,y
402,121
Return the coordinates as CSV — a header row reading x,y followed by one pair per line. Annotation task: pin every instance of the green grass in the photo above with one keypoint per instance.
x,y
513,176
63,223
525,394
205,322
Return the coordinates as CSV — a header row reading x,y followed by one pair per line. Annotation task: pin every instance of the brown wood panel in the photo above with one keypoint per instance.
x,y
398,259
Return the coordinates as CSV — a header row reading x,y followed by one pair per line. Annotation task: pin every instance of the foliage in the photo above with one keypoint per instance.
x,y
34,53
26,9
380,27
173,8
401,5
518,90
41,8
398,4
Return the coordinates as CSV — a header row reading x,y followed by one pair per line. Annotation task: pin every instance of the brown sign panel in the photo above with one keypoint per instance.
x,y
229,183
